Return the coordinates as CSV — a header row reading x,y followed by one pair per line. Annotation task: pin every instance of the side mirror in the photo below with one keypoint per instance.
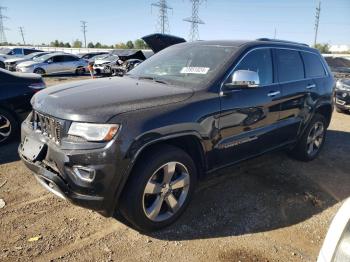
x,y
244,79
49,61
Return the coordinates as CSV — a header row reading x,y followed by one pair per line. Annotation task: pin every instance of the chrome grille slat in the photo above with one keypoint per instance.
x,y
47,125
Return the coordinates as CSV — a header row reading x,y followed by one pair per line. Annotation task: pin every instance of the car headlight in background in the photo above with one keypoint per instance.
x,y
341,86
93,132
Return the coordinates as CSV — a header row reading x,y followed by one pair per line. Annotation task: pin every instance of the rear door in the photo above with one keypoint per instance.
x,y
249,119
69,63
57,65
298,92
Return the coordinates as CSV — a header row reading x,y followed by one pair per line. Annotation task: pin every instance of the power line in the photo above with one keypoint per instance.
x,y
2,27
318,11
194,20
22,34
83,28
163,21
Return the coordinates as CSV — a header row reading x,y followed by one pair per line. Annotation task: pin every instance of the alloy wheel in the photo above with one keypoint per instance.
x,y
5,128
166,191
315,138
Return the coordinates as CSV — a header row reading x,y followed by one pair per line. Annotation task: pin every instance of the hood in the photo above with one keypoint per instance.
x,y
158,42
102,61
99,100
28,63
17,59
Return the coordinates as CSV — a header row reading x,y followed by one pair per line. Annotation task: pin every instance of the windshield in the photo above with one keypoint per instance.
x,y
42,58
185,65
4,50
32,55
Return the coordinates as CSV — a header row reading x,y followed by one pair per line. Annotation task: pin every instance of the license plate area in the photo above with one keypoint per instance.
x,y
33,150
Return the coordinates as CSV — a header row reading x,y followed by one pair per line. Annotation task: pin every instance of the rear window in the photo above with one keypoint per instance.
x,y
313,65
290,66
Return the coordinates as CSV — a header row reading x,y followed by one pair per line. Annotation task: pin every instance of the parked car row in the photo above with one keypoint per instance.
x,y
6,53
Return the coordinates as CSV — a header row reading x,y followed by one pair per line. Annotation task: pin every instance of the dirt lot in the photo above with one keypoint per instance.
x,y
271,208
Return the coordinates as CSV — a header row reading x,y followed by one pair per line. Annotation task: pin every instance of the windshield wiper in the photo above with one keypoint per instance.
x,y
152,78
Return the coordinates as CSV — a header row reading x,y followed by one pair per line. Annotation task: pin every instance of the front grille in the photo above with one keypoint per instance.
x,y
48,126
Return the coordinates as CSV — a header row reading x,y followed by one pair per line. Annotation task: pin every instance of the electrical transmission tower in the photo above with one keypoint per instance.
x,y
163,22
83,28
194,20
22,34
318,11
2,27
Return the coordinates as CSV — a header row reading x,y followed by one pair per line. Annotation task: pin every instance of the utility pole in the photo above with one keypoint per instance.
x,y
2,27
317,17
275,34
194,20
83,28
163,21
22,34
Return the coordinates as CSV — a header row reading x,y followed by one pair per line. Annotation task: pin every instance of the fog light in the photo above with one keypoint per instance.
x,y
84,173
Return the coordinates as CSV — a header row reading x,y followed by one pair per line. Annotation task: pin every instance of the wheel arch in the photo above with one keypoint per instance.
x,y
325,110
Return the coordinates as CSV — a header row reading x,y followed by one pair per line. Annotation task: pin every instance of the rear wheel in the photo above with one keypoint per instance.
x,y
80,71
8,127
312,141
159,189
39,71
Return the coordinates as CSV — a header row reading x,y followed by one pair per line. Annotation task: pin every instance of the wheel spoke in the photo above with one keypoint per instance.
x,y
309,139
169,171
154,209
153,188
310,149
172,202
180,182
317,143
319,131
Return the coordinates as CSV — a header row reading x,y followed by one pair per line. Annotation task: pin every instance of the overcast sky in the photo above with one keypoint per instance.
x,y
114,21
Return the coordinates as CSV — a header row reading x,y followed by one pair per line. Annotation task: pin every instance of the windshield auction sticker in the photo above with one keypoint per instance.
x,y
195,70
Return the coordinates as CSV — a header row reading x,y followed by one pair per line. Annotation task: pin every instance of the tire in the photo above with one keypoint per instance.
x,y
140,207
311,142
2,65
340,110
80,71
9,127
39,71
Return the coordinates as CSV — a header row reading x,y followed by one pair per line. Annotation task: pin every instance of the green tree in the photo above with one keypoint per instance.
x,y
130,44
77,44
61,44
323,48
121,46
55,43
67,45
98,45
140,44
91,45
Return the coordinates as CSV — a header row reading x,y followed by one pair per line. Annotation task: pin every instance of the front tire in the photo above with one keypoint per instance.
x,y
39,71
312,141
80,71
9,126
159,189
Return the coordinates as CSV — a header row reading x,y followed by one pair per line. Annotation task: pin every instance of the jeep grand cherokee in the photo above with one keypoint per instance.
x,y
138,144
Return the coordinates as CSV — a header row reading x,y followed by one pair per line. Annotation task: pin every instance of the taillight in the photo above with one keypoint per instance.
x,y
36,87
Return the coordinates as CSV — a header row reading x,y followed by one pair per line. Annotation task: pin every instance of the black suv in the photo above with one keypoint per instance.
x,y
138,144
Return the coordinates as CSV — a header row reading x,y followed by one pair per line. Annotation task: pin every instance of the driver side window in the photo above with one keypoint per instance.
x,y
259,61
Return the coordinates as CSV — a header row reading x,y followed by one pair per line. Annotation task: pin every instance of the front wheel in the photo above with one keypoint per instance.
x,y
159,189
80,71
39,71
312,141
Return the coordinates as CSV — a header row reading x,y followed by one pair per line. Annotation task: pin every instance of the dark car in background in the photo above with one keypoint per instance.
x,y
16,91
138,144
342,95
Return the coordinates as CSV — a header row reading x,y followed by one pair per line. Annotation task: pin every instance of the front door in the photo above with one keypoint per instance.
x,y
249,119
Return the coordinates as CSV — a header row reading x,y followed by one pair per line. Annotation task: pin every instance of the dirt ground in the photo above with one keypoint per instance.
x,y
271,208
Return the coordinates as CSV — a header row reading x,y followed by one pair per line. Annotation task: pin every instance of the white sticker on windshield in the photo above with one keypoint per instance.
x,y
195,70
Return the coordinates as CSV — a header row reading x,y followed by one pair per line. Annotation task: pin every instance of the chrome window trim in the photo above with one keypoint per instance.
x,y
285,82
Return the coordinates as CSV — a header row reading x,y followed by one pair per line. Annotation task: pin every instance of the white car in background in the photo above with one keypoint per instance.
x,y
55,63
11,63
6,53
102,65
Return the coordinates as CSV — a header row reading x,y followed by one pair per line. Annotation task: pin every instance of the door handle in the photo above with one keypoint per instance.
x,y
310,86
273,93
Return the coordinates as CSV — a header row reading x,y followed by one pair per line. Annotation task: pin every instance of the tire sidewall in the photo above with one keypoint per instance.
x,y
39,71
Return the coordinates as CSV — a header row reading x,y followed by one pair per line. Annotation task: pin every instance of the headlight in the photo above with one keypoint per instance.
x,y
93,132
341,86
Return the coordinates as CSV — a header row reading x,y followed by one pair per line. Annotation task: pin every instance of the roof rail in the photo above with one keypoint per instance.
x,y
281,41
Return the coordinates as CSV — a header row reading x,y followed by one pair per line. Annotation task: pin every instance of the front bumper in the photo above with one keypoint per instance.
x,y
24,69
342,99
55,172
10,67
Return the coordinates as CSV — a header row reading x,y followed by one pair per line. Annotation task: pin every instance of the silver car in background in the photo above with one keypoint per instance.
x,y
11,63
56,63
